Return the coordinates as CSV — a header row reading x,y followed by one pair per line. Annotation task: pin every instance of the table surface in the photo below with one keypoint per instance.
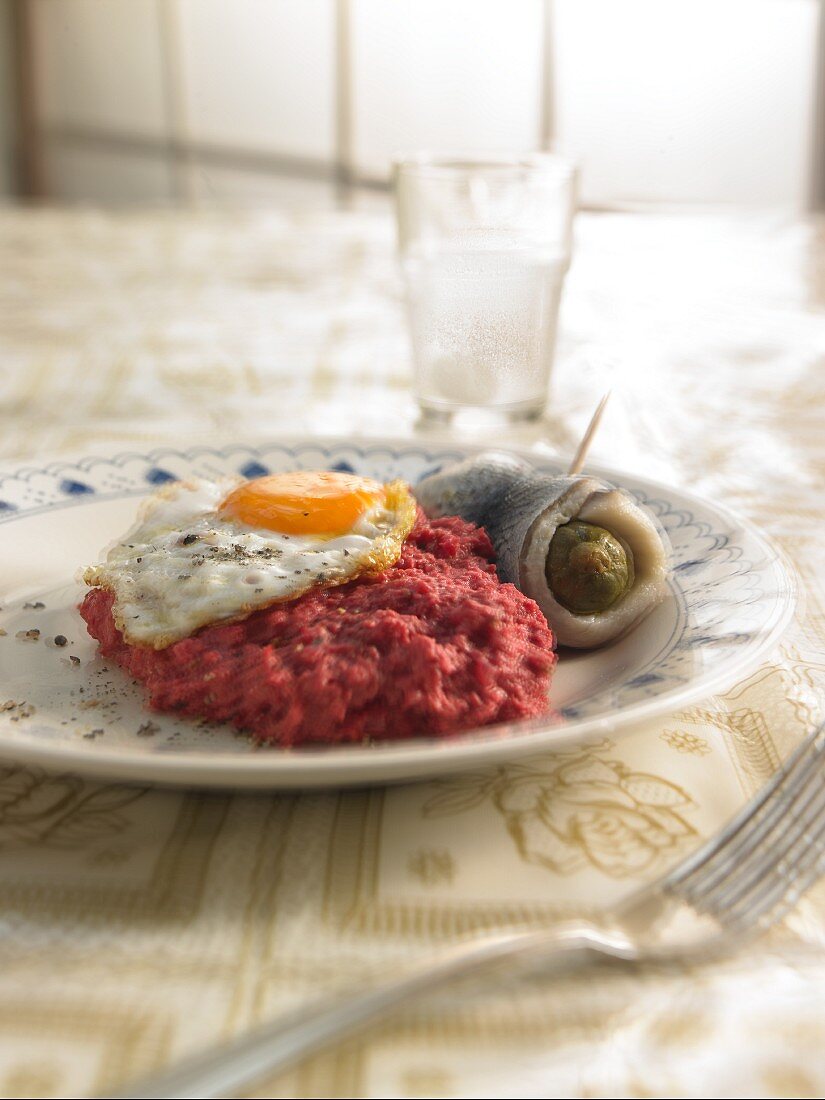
x,y
139,925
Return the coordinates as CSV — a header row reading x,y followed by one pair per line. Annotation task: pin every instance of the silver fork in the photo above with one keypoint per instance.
x,y
741,882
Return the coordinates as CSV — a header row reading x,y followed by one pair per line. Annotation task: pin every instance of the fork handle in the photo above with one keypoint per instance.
x,y
289,1038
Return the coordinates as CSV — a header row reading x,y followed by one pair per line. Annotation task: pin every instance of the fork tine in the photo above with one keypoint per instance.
x,y
781,875
785,846
781,903
753,820
770,836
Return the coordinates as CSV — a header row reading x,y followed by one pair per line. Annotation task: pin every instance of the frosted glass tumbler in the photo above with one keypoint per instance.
x,y
484,247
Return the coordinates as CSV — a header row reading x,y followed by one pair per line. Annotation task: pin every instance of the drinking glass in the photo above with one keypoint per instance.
x,y
484,244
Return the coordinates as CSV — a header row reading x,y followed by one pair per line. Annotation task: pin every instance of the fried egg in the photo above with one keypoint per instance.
x,y
204,552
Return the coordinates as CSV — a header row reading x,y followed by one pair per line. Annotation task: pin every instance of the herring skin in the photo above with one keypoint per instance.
x,y
502,494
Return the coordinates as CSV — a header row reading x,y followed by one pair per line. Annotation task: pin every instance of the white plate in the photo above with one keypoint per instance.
x,y
730,599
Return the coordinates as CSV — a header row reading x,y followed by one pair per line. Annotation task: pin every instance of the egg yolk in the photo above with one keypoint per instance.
x,y
303,502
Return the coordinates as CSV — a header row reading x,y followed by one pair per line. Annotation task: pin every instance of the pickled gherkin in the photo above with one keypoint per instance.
x,y
588,569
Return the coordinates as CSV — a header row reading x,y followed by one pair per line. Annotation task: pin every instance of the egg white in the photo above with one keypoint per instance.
x,y
183,565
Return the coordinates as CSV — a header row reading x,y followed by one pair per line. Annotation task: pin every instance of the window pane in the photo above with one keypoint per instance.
x,y
687,100
99,64
461,76
260,74
85,175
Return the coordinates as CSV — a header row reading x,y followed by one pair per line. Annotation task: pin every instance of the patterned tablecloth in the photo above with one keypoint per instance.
x,y
138,925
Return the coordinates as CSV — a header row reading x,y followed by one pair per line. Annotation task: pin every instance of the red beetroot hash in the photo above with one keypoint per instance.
x,y
436,644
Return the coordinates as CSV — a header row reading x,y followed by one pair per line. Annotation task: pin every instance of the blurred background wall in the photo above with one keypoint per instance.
x,y
303,102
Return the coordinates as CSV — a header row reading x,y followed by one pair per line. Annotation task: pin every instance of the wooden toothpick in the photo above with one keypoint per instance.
x,y
587,438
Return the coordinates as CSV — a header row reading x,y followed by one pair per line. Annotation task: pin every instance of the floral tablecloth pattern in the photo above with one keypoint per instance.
x,y
138,924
